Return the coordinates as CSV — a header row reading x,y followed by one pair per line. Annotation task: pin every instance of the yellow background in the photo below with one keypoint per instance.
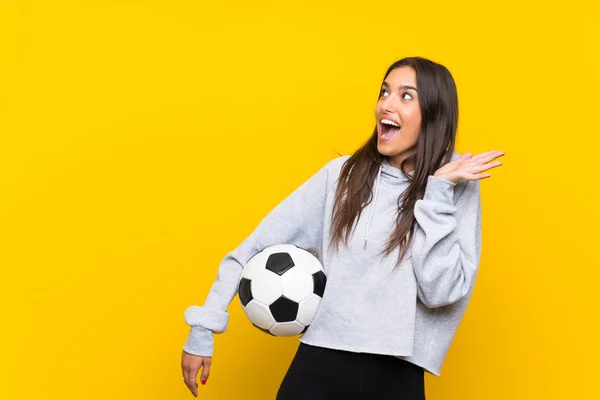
x,y
141,140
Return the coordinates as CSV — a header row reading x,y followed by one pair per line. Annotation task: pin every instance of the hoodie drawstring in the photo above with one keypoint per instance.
x,y
373,207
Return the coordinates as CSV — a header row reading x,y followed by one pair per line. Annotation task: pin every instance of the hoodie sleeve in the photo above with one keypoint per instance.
x,y
447,241
298,220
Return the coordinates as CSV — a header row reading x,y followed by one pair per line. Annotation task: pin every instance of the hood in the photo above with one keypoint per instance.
x,y
390,175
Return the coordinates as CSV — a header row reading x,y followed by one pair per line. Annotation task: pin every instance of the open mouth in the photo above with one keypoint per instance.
x,y
388,129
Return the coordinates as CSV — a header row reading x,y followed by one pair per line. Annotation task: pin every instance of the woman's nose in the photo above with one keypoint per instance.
x,y
388,103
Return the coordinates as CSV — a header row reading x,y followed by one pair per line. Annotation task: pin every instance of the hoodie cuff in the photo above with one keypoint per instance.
x,y
213,320
200,342
439,190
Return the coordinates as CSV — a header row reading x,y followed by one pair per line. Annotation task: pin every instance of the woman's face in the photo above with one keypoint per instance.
x,y
398,116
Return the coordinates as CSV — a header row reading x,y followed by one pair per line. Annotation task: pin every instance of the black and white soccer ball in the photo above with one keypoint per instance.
x,y
281,288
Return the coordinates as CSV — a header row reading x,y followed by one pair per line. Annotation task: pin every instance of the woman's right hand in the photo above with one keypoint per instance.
x,y
190,365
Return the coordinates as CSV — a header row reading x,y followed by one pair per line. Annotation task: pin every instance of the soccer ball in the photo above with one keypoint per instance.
x,y
281,288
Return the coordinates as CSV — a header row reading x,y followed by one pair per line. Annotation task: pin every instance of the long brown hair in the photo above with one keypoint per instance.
x,y
439,119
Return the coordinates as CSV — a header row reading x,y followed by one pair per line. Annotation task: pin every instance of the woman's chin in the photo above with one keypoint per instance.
x,y
386,150
393,151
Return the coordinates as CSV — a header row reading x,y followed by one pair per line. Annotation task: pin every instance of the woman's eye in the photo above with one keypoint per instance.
x,y
406,96
383,93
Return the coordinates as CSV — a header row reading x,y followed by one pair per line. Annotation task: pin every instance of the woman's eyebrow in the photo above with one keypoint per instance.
x,y
402,87
408,87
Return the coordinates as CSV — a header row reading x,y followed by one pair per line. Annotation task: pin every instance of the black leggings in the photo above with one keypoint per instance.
x,y
318,373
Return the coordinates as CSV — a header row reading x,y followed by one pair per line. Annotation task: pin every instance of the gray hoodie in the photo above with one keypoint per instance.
x,y
411,312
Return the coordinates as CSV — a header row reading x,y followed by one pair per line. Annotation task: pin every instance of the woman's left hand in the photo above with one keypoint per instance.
x,y
469,167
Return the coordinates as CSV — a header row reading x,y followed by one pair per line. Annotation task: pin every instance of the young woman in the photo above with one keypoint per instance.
x,y
397,226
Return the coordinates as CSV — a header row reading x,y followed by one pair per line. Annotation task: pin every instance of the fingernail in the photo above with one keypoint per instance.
x,y
204,382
